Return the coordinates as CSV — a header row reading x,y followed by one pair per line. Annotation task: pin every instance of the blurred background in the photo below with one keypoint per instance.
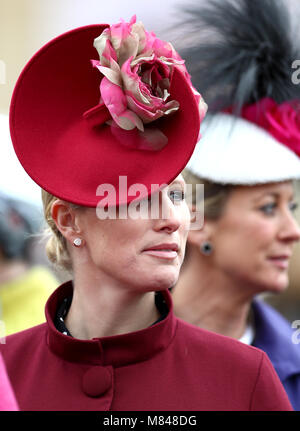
x,y
25,25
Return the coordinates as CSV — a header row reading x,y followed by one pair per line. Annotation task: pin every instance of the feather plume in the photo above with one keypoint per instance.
x,y
240,51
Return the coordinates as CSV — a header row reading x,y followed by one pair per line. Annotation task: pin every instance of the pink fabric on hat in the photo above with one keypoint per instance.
x,y
7,398
138,65
282,121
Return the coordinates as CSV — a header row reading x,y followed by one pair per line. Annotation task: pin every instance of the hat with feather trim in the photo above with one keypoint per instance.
x,y
102,102
240,59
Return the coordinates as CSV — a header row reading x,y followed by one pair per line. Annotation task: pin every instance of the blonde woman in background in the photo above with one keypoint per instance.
x,y
247,159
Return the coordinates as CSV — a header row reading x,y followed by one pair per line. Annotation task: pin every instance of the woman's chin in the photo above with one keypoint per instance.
x,y
163,281
278,285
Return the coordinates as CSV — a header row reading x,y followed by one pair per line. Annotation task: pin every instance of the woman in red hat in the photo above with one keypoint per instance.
x,y
113,197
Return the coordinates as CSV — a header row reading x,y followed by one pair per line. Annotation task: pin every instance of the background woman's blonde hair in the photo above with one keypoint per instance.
x,y
56,246
215,195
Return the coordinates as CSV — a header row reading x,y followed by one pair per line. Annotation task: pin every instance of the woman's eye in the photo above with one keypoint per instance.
x,y
268,208
293,206
176,195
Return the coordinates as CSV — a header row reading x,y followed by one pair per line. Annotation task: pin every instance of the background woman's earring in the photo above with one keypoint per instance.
x,y
206,248
77,242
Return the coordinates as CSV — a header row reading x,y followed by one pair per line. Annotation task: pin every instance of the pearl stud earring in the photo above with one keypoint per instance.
x,y
77,242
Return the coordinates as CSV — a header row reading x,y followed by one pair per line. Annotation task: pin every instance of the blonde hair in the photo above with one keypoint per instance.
x,y
215,195
56,246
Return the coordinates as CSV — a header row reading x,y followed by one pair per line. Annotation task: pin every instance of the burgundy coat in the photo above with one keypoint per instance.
x,y
169,366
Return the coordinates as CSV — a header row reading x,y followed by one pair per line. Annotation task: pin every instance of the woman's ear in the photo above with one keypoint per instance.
x,y
64,217
202,232
198,236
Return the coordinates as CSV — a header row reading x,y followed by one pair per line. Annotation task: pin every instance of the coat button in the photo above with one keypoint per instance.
x,y
96,381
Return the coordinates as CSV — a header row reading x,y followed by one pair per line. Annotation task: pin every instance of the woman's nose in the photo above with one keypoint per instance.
x,y
290,230
169,217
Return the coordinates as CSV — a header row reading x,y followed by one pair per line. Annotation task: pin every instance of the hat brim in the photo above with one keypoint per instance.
x,y
67,157
234,151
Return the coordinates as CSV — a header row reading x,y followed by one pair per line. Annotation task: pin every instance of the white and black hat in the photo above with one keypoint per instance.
x,y
240,58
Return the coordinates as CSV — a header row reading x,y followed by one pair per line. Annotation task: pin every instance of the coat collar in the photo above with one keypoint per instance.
x,y
273,334
118,350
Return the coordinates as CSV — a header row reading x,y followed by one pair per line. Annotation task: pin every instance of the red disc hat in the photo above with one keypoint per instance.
x,y
60,131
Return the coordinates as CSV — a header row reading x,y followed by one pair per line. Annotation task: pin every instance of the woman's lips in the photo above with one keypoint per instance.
x,y
162,254
163,251
281,262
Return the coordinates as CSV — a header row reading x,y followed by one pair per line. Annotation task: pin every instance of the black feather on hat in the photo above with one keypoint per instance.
x,y
240,55
247,53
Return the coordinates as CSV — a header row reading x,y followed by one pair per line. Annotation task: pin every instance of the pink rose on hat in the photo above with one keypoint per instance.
x,y
137,70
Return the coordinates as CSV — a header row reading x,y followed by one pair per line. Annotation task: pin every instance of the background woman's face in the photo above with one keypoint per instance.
x,y
144,253
254,237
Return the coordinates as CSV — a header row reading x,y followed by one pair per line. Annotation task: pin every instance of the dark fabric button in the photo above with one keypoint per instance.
x,y
96,381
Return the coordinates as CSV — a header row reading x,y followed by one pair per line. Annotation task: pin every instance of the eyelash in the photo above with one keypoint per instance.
x,y
293,206
173,192
269,208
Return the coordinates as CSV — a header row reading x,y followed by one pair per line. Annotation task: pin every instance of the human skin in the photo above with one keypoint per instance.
x,y
252,245
116,271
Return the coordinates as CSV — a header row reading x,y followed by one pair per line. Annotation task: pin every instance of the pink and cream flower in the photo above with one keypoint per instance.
x,y
136,68
282,121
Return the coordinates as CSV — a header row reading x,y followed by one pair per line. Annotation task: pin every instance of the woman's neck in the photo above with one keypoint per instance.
x,y
210,300
100,309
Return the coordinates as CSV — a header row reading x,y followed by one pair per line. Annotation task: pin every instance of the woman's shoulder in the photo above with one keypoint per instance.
x,y
217,345
220,357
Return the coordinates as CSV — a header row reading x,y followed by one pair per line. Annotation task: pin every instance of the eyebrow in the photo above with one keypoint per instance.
x,y
181,182
272,194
